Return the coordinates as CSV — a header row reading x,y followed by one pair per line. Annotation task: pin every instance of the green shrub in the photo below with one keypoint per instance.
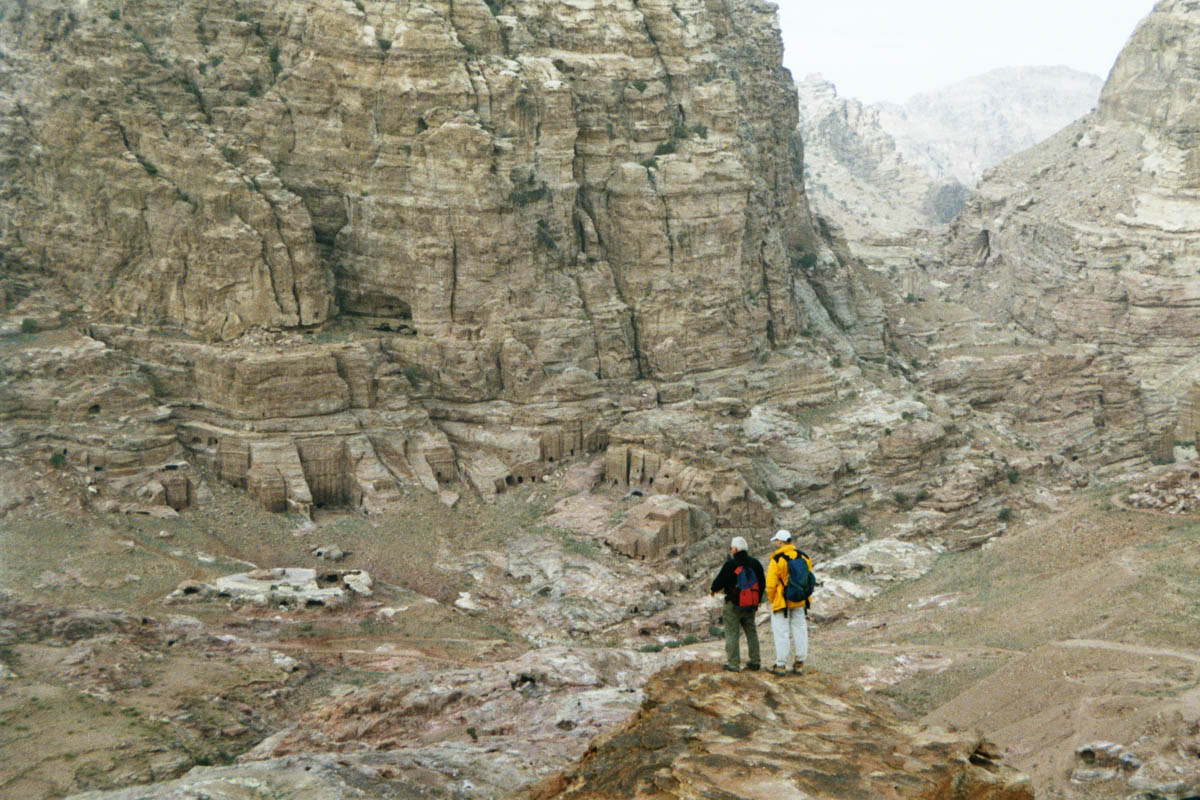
x,y
1013,474
543,235
700,131
772,497
651,648
639,84
114,13
836,362
29,325
901,499
804,260
666,148
1005,514
384,44
923,495
58,459
650,163
716,631
848,518
524,195
255,90
910,298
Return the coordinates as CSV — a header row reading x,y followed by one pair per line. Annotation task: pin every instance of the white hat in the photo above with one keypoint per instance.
x,y
781,536
739,543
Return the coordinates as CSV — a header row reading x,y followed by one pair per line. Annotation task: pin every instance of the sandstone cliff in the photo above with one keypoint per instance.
x,y
1091,237
462,172
509,215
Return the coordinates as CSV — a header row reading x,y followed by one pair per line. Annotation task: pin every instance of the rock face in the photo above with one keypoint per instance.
x,y
702,732
958,132
1092,236
350,247
856,178
465,173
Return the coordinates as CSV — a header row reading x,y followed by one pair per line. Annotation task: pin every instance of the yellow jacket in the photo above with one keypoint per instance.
x,y
777,577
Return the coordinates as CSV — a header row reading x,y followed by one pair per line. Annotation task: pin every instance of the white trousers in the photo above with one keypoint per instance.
x,y
790,633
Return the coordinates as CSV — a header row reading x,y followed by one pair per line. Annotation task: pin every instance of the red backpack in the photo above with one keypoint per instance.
x,y
749,591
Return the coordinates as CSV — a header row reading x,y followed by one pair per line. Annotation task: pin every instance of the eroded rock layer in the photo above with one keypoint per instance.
x,y
596,186
1093,236
700,733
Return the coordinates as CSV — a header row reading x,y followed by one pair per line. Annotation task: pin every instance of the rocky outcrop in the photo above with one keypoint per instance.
x,y
1089,237
704,732
855,177
958,132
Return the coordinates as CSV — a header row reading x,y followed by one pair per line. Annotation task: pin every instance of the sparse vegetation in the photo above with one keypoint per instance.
x,y
1013,474
639,84
543,235
29,325
804,260
665,148
848,518
1004,514
384,44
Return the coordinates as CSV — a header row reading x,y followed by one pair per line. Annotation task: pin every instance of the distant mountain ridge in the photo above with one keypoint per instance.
x,y
961,130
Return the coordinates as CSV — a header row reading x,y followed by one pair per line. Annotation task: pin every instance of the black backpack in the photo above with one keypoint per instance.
x,y
800,580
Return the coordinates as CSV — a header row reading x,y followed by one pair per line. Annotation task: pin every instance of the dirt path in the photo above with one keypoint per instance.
x,y
1122,647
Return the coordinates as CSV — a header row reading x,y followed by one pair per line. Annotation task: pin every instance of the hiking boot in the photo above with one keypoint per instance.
x,y
728,668
798,668
777,670
752,667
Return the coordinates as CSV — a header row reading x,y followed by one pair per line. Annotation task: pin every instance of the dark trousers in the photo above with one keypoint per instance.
x,y
737,620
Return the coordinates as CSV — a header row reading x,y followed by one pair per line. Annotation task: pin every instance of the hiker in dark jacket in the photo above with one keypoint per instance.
x,y
738,613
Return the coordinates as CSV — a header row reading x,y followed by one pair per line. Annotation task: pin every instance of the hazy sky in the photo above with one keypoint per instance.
x,y
892,49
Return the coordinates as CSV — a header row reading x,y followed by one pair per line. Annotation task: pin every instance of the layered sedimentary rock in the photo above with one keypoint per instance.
x,y
1092,236
517,215
543,186
702,733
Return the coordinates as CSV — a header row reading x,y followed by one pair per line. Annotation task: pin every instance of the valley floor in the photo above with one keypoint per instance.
x,y
1077,627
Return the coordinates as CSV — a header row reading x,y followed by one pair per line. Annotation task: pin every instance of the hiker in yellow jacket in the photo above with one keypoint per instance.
x,y
789,620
